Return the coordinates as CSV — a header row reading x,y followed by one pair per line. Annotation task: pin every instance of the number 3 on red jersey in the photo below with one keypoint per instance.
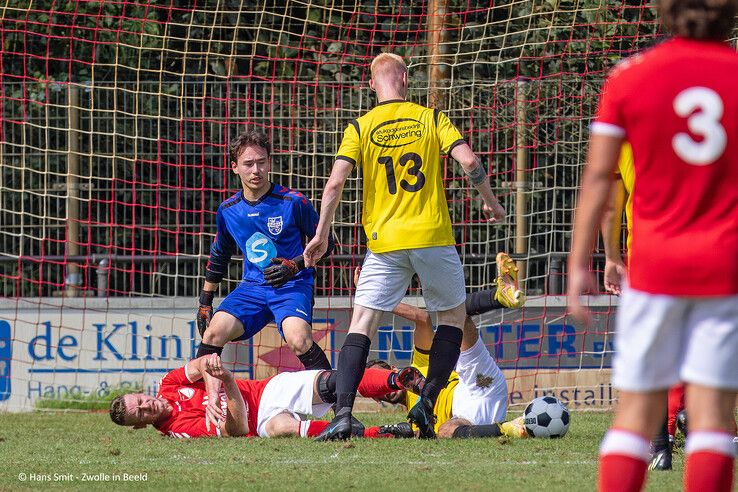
x,y
703,109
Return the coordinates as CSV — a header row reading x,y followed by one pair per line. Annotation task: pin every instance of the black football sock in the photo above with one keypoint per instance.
x,y
482,302
205,349
315,358
351,365
661,440
443,356
487,430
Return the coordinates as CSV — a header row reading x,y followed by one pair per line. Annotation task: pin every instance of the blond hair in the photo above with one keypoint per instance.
x,y
387,63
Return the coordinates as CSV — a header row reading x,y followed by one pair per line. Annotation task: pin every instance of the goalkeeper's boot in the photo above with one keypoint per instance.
x,y
422,416
340,429
661,459
508,293
402,430
514,428
411,379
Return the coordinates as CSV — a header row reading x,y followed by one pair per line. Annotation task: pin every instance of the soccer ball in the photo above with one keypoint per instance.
x,y
546,417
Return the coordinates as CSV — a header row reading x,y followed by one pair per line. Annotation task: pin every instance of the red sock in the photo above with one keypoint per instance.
x,y
312,428
709,463
373,432
375,383
623,461
676,405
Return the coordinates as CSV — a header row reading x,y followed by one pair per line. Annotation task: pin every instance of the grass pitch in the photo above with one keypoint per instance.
x,y
76,450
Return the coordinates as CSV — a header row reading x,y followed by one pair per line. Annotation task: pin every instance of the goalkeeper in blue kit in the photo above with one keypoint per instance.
x,y
269,223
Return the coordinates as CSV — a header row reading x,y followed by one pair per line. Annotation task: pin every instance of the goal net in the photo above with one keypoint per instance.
x,y
113,148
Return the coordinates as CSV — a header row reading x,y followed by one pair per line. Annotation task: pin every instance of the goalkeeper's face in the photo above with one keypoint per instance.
x,y
142,410
252,168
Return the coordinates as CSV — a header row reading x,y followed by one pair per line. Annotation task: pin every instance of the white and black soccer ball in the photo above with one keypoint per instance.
x,y
546,417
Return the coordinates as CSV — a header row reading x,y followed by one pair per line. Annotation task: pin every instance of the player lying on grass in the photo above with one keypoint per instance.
x,y
264,408
475,399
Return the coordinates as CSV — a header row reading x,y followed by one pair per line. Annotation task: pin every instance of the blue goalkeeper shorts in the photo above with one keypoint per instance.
x,y
258,305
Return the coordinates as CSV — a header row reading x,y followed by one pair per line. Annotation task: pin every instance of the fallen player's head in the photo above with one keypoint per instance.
x,y
699,19
138,410
394,397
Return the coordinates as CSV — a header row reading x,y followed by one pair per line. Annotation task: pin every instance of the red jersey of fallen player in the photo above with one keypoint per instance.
x,y
189,400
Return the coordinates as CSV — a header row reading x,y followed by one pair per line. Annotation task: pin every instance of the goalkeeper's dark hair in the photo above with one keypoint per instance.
x,y
118,410
246,138
699,19
378,362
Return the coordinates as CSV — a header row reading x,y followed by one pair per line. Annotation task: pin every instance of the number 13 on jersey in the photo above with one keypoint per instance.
x,y
414,170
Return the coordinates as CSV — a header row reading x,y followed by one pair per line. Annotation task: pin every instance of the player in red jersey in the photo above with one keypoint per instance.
x,y
264,408
678,107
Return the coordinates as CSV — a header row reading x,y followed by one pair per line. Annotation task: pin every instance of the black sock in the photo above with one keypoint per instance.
x,y
661,440
351,365
327,386
487,430
482,302
205,349
315,358
443,356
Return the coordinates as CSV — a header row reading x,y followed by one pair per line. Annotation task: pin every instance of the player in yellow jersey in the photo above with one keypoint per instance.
x,y
474,402
398,147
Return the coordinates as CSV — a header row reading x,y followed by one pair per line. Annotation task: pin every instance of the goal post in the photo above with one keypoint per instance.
x,y
116,118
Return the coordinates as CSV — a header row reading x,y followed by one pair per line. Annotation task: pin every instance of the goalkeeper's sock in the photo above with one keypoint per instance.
x,y
710,461
623,461
444,354
206,349
351,367
315,358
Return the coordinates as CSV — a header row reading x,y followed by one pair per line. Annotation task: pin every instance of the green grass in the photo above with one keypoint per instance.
x,y
84,402
47,442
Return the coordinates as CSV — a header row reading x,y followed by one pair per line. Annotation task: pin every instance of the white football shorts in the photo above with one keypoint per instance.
x,y
661,340
290,392
385,278
481,395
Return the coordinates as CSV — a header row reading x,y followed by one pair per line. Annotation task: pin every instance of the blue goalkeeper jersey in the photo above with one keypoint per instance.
x,y
274,226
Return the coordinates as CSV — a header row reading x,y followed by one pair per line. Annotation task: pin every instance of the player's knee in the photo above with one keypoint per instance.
x,y
222,329
283,425
447,429
453,317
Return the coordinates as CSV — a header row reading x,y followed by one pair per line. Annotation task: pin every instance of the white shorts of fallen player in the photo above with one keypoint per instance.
x,y
289,392
661,340
385,278
481,395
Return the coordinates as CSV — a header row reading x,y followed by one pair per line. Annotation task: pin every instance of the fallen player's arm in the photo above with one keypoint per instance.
x,y
237,423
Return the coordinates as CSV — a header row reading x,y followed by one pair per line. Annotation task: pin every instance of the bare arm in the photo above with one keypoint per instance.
x,y
237,422
318,245
472,166
423,337
595,190
612,226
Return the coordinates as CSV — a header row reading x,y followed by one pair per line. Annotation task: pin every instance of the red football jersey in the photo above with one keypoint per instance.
x,y
189,400
677,105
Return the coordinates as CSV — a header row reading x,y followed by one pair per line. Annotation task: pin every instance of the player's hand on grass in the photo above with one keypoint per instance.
x,y
580,281
614,275
494,212
281,272
314,250
205,311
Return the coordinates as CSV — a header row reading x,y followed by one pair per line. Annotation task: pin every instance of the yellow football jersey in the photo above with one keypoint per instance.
x,y
398,147
443,408
627,174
